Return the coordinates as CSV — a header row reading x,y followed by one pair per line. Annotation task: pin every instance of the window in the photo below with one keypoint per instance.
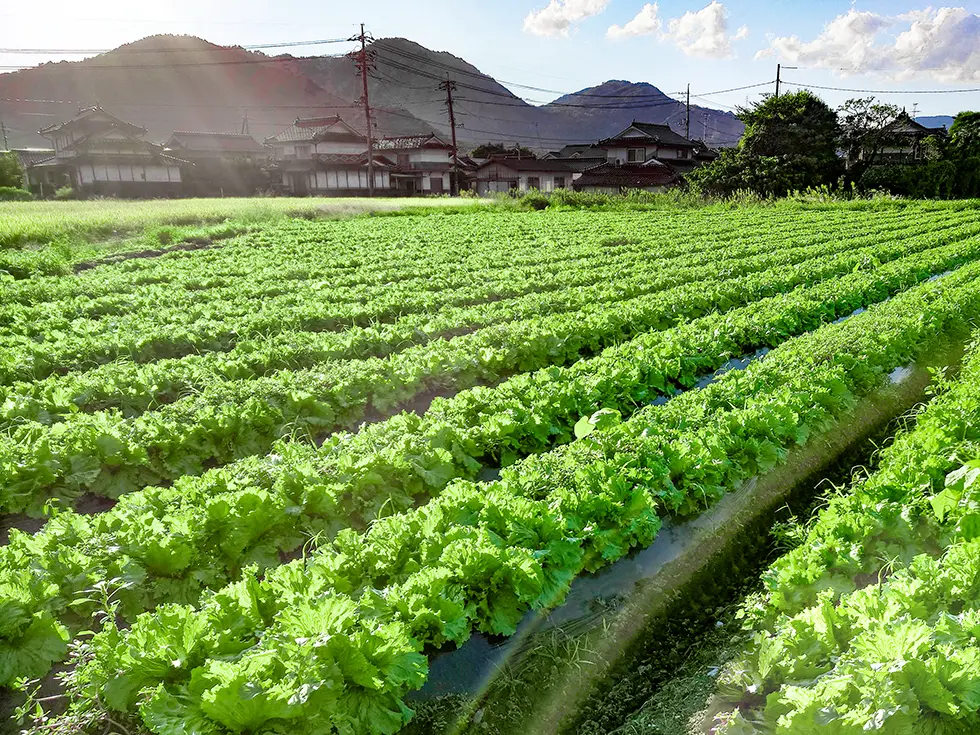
x,y
435,184
683,153
559,182
533,182
636,155
403,161
302,151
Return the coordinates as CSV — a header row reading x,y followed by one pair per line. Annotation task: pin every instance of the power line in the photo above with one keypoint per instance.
x,y
885,91
324,106
77,67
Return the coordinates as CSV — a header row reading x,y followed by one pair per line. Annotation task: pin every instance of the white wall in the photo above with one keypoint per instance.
x,y
329,179
91,173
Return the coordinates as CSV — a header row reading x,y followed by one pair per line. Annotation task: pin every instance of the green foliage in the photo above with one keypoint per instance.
x,y
12,194
929,180
486,150
65,193
790,143
11,172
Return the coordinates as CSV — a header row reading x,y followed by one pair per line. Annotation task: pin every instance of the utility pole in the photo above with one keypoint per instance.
x,y
4,129
245,123
687,126
364,60
779,68
449,87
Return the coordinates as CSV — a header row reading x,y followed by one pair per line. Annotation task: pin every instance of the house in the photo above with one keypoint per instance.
x,y
324,155
28,157
617,178
903,142
578,157
423,163
97,153
221,164
505,174
641,142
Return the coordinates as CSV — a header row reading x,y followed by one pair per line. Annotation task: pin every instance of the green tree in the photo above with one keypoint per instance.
x,y
11,174
790,143
499,149
963,150
864,133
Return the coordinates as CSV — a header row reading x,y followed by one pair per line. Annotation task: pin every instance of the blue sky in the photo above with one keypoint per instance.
x,y
565,45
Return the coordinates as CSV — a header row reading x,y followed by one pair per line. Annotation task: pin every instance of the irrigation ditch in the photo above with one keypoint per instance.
x,y
634,648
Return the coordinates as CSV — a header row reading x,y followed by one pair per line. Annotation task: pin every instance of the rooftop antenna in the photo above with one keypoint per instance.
x,y
245,123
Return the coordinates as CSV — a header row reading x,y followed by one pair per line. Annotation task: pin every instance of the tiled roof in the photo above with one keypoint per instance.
x,y
231,142
411,142
628,176
315,128
87,112
661,134
528,164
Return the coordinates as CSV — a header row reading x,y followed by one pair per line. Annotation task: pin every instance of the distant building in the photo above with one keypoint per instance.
x,y
642,142
506,174
97,153
904,142
28,157
219,164
628,160
423,163
324,155
617,178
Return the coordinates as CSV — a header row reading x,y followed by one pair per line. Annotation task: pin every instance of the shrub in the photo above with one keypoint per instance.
x,y
64,193
13,194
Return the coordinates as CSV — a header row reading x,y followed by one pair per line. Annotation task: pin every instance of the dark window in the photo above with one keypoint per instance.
x,y
403,161
435,184
636,155
533,182
559,182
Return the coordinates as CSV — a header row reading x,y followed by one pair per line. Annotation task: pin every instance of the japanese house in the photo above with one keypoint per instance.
x,y
97,153
423,163
617,178
506,174
219,164
324,155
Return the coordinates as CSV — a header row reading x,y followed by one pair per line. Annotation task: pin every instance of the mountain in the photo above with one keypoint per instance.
x,y
936,121
407,76
168,83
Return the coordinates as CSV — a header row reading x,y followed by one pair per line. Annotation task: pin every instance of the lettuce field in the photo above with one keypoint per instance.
x,y
272,482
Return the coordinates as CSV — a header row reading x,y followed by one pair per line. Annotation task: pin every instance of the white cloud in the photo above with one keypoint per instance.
x,y
560,15
703,33
943,44
646,23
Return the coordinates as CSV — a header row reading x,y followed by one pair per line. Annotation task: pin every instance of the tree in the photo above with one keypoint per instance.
x,y
964,151
790,143
864,133
499,149
11,173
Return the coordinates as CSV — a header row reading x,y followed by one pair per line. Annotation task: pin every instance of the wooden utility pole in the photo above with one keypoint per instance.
x,y
4,130
364,60
687,125
449,86
779,68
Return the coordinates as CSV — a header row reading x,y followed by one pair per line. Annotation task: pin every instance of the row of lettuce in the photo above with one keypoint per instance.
x,y
37,342
110,454
169,543
312,262
872,622
336,640
499,297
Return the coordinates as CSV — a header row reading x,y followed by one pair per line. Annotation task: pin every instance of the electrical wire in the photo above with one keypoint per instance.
x,y
883,91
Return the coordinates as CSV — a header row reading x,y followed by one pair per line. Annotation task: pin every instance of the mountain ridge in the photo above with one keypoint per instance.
x,y
167,82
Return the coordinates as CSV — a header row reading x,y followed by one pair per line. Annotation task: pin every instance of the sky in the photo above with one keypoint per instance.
x,y
562,46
